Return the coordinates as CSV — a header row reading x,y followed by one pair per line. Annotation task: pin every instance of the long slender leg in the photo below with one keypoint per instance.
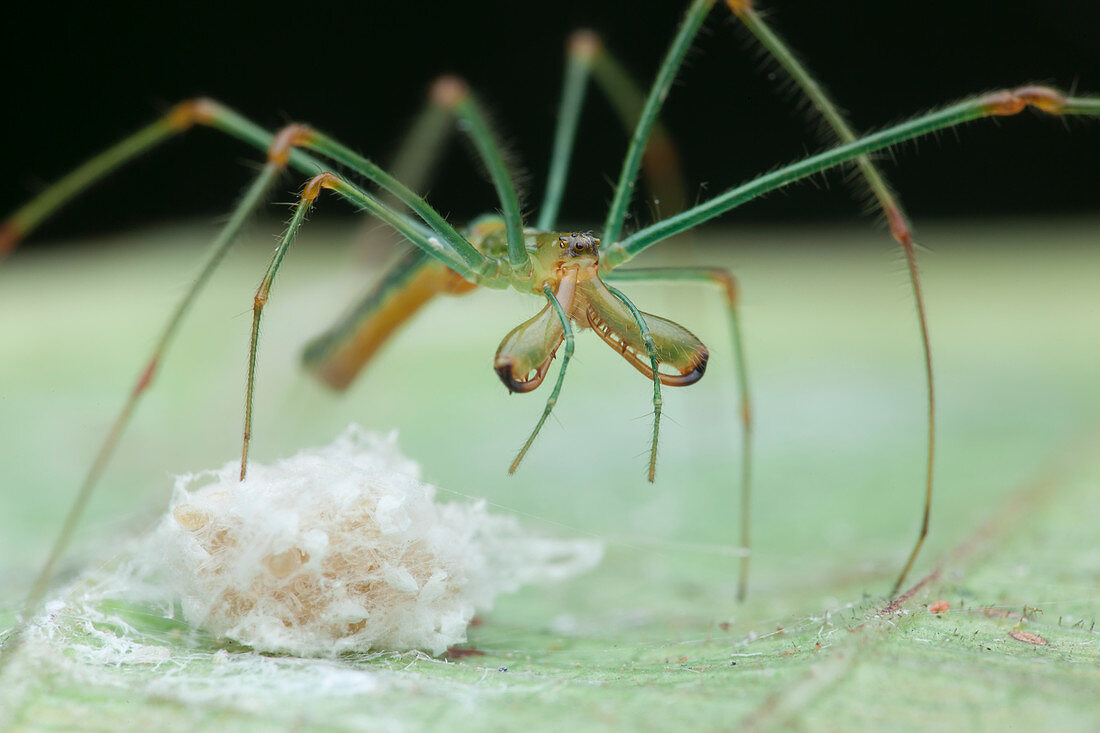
x,y
310,192
994,104
1003,103
553,398
587,56
442,240
455,94
417,153
651,350
578,66
26,219
725,280
895,217
281,152
661,169
224,241
624,190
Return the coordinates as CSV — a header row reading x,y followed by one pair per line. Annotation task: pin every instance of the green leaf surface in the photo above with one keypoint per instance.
x,y
652,639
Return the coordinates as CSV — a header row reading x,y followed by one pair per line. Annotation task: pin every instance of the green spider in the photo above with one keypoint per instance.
x,y
570,271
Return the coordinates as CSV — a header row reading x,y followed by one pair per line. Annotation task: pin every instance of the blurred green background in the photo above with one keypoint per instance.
x,y
651,640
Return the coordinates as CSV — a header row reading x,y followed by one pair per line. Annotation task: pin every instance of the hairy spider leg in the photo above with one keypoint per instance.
x,y
1003,103
725,280
453,249
992,104
891,208
417,153
666,74
281,152
587,57
651,352
998,103
310,192
566,290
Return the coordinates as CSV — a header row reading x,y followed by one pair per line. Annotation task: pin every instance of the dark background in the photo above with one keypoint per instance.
x,y
77,77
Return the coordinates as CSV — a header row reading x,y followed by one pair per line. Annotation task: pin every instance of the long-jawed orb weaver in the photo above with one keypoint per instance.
x,y
571,271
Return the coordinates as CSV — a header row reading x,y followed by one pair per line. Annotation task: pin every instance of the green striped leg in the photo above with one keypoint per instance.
x,y
624,189
439,239
453,93
887,201
994,104
417,154
1002,103
281,152
588,57
725,280
252,199
552,400
651,350
349,192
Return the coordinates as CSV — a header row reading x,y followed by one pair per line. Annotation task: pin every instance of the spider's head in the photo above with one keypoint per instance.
x,y
576,245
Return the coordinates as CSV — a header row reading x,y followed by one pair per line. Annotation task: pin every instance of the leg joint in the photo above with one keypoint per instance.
x,y
1005,103
739,7
448,91
191,112
585,45
291,136
726,279
320,181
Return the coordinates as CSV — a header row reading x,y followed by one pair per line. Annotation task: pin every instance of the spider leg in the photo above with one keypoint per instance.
x,y
588,57
417,153
252,199
624,189
552,400
310,192
1001,103
282,152
447,245
454,94
651,351
340,353
887,201
993,104
726,281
